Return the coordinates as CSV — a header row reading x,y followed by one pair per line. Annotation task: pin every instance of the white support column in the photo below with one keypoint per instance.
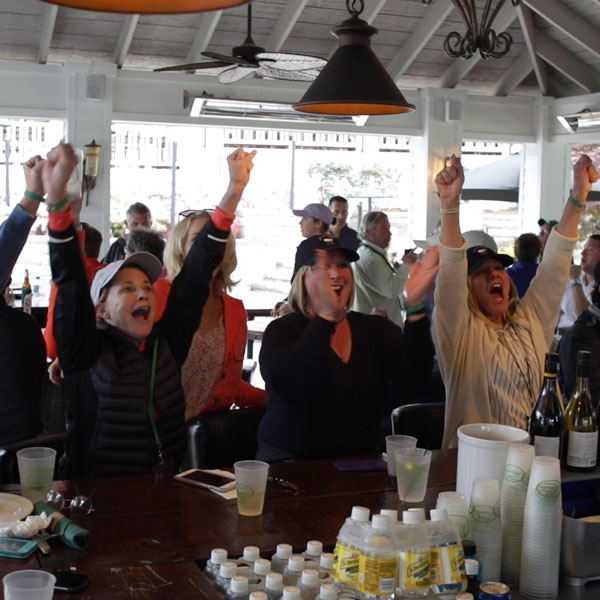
x,y
89,103
546,176
441,112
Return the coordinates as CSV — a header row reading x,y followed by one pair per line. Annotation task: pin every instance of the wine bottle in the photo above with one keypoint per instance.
x,y
546,423
581,426
26,293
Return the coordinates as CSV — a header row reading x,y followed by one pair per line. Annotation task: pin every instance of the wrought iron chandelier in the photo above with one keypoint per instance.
x,y
480,36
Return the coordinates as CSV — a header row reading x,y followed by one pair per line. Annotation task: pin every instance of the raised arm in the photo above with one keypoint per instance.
x,y
449,183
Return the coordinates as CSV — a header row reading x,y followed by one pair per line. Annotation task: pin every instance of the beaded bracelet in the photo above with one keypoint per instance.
x,y
56,207
576,203
34,196
449,211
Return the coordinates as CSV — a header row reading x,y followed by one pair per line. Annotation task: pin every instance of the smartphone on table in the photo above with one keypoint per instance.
x,y
206,479
16,547
70,581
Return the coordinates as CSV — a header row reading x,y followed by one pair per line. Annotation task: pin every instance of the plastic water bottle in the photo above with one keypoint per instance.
x,y
238,588
391,514
291,592
274,585
262,567
294,569
327,591
448,576
313,551
347,551
279,560
217,557
258,595
227,571
414,557
309,584
326,561
378,563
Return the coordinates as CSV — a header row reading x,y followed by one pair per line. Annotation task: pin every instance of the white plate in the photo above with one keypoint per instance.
x,y
14,508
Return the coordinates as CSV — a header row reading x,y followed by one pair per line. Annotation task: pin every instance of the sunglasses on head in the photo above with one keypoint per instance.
x,y
190,212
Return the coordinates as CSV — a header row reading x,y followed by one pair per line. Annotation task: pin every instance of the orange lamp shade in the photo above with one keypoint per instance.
x,y
149,6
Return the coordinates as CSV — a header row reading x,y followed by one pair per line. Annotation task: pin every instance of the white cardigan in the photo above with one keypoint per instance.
x,y
466,344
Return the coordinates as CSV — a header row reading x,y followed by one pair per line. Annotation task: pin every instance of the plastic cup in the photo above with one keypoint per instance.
x,y
412,472
393,443
29,584
250,483
457,507
36,471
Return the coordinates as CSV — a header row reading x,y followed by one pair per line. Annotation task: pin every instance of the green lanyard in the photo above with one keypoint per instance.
x,y
151,404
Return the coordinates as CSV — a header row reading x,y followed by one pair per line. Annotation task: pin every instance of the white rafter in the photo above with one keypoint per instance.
x,y
372,9
206,29
125,36
529,31
51,10
514,76
569,22
460,68
434,17
291,12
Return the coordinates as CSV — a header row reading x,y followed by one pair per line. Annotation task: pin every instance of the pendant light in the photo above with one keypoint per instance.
x,y
149,6
354,82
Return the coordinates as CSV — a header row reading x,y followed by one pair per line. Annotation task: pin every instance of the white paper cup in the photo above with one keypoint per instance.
x,y
251,484
393,443
36,471
482,452
29,584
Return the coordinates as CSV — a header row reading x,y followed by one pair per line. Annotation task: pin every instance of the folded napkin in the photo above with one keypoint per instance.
x,y
68,532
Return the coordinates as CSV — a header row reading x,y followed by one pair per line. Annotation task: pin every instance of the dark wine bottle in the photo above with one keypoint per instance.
x,y
546,423
581,427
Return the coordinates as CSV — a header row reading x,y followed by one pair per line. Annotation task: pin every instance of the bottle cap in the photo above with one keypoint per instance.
x,y
218,556
228,569
251,553
262,566
274,581
314,548
411,518
296,563
291,592
284,551
327,560
438,514
360,513
388,512
239,584
310,577
380,522
421,511
258,596
464,596
328,592
471,566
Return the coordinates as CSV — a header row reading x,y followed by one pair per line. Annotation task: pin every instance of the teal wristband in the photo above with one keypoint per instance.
x,y
34,196
576,203
56,207
416,309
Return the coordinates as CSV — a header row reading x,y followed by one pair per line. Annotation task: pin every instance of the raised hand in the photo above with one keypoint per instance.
x,y
33,175
56,171
449,182
324,300
584,175
422,276
240,164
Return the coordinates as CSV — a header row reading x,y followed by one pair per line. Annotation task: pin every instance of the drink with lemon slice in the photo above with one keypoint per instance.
x,y
412,469
250,484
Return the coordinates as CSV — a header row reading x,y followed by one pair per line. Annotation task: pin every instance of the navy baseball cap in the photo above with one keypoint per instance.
x,y
306,250
477,255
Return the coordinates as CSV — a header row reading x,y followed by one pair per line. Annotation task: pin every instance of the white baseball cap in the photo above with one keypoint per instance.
x,y
146,262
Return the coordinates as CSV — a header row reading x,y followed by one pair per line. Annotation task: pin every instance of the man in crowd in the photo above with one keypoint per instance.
x,y
378,284
577,296
528,247
545,229
138,217
348,237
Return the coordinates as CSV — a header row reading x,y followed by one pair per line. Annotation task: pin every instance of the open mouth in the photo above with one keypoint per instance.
x,y
337,289
496,290
143,312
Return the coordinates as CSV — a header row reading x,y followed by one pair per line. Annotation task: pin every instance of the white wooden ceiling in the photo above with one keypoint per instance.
x,y
556,49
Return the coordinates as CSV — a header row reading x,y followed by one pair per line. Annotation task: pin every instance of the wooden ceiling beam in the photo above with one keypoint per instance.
x,y
206,29
529,31
51,10
372,9
514,76
291,13
125,37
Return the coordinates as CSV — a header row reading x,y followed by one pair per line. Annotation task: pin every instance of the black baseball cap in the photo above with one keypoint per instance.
x,y
551,222
477,255
306,250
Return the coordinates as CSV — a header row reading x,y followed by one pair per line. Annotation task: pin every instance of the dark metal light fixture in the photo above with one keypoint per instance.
x,y
354,82
480,36
150,6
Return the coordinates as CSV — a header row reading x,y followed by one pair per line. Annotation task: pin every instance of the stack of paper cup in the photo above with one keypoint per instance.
x,y
457,507
540,550
486,528
512,507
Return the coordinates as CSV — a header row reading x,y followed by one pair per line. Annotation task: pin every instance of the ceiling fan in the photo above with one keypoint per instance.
x,y
250,58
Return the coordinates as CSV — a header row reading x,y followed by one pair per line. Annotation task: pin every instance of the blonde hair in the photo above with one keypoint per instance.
x,y
473,304
174,254
298,297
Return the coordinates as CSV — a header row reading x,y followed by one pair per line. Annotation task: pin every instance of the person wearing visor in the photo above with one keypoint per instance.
x,y
326,369
490,345
125,403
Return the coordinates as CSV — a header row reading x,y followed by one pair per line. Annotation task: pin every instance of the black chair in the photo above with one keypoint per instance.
x,y
9,470
221,438
423,421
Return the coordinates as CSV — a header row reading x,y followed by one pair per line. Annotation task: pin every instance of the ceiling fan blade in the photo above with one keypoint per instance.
x,y
235,74
194,66
288,61
275,73
231,60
